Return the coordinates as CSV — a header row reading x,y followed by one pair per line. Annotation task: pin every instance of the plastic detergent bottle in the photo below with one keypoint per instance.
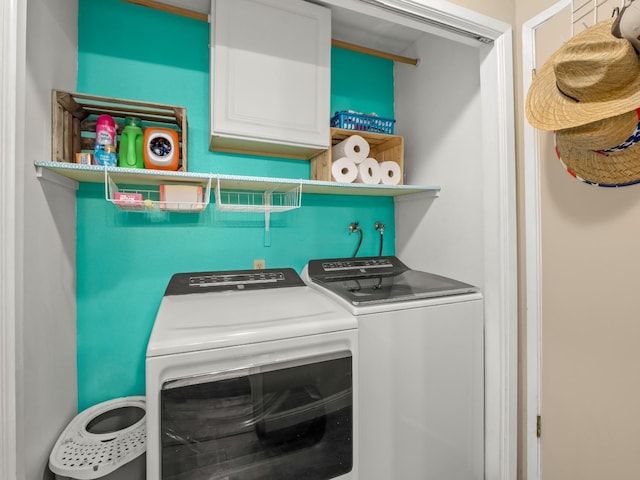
x,y
105,148
131,144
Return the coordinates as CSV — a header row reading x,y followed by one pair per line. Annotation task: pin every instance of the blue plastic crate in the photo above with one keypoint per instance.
x,y
363,123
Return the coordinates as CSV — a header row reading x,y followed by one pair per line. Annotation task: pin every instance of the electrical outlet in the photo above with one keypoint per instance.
x,y
259,264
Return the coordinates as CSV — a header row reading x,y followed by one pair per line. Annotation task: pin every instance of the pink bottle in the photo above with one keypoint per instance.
x,y
106,130
105,148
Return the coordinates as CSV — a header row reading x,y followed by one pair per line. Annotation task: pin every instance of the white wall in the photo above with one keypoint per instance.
x,y
47,247
443,146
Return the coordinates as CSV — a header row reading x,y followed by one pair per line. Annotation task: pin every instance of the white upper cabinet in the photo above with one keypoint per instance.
x,y
270,77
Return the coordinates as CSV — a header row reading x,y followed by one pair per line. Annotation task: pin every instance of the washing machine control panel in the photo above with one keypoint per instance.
x,y
346,265
333,268
202,282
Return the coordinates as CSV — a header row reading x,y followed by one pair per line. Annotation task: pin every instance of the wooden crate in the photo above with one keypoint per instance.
x,y
382,147
74,117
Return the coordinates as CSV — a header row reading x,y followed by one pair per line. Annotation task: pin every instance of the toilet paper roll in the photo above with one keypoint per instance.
x,y
368,171
390,173
344,170
355,147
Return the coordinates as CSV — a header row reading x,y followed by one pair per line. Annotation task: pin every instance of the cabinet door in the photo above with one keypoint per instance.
x,y
270,76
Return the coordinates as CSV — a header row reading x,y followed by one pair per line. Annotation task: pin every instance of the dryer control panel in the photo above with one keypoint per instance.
x,y
202,282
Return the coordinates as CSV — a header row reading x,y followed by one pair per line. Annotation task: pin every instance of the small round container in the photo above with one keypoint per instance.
x,y
161,149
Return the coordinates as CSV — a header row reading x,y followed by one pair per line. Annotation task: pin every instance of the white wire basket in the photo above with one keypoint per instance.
x,y
262,202
150,199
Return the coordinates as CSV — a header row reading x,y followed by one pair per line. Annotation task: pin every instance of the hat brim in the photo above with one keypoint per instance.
x,y
616,169
548,109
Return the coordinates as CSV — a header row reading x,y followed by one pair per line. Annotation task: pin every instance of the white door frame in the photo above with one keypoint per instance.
x,y
533,259
12,35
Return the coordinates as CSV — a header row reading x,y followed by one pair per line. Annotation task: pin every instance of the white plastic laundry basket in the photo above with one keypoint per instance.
x,y
105,441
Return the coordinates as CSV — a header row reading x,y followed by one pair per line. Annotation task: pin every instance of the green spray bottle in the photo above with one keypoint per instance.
x,y
131,144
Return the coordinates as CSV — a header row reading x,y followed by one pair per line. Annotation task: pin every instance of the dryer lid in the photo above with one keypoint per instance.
x,y
220,315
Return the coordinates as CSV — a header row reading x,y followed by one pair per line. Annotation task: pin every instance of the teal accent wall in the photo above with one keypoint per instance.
x,y
362,83
125,259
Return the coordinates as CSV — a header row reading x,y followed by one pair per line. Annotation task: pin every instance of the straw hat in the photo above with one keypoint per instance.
x,y
604,153
593,76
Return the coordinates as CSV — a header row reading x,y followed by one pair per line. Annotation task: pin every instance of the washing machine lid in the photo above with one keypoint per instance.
x,y
380,280
205,310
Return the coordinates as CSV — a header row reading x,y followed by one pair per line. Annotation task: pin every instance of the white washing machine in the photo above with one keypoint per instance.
x,y
421,367
251,375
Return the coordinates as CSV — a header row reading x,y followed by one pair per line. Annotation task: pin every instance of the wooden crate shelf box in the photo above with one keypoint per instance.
x,y
75,115
383,147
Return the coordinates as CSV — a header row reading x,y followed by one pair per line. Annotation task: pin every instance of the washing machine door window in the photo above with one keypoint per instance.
x,y
290,420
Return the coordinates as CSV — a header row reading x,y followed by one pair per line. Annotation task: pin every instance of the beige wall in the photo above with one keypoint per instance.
x,y
501,9
590,387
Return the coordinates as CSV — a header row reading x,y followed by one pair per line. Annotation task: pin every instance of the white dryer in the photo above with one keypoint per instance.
x,y
251,375
421,367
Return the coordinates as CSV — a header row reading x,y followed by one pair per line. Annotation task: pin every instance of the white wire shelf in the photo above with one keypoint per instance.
x,y
143,177
151,199
271,201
